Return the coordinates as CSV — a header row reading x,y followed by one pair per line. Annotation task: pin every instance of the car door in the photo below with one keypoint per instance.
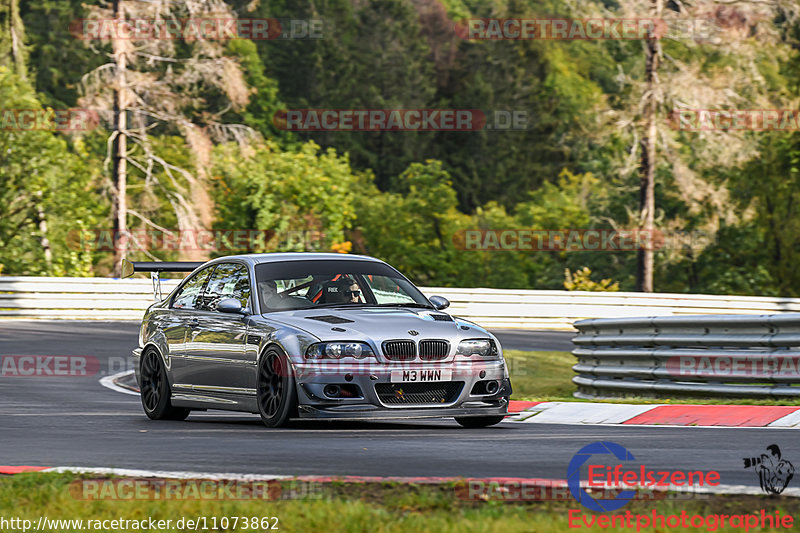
x,y
216,357
175,324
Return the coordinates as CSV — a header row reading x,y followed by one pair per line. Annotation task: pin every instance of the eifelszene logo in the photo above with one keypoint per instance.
x,y
618,477
774,473
574,476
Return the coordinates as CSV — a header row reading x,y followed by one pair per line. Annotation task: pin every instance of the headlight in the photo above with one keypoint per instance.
x,y
337,350
481,347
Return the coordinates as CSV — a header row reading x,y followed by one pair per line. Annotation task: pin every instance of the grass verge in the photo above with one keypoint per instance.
x,y
376,507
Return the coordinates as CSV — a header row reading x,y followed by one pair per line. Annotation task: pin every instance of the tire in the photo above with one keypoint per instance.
x,y
276,392
155,391
478,421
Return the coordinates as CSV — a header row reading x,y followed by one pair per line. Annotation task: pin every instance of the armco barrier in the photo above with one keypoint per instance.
x,y
105,298
529,309
743,355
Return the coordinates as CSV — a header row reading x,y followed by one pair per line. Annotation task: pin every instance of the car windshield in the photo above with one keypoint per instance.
x,y
289,285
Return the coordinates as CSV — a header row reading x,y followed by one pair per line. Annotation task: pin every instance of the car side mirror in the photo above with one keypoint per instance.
x,y
231,305
439,302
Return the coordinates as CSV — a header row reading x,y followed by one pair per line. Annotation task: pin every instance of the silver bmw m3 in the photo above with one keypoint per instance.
x,y
301,335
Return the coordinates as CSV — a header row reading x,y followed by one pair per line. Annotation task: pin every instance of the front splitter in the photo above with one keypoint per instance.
x,y
377,413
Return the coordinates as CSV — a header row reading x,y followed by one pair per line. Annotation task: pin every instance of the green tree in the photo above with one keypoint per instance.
x,y
419,228
372,56
58,58
304,196
772,250
45,195
580,280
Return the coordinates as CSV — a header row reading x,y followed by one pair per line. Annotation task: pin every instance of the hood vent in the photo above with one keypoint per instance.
x,y
442,318
330,319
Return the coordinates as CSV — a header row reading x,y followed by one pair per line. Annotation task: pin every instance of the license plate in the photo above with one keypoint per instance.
x,y
421,375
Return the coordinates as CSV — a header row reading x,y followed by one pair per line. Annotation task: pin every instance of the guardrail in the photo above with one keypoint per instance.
x,y
743,356
77,298
532,309
106,298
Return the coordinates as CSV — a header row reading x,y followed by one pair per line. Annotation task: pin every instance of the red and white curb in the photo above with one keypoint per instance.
x,y
495,484
776,416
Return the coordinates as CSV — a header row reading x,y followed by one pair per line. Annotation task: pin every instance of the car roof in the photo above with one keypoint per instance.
x,y
256,259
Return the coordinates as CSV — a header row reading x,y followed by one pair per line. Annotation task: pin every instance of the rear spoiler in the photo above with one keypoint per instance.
x,y
155,268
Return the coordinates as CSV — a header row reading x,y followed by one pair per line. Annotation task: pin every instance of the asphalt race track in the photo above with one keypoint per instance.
x,y
68,421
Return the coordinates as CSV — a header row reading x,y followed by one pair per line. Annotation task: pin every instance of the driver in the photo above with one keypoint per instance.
x,y
349,291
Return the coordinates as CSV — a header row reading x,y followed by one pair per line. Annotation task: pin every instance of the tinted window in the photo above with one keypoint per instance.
x,y
229,280
187,297
307,284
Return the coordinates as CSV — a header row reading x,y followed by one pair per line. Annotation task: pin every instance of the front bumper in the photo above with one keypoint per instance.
x,y
371,412
372,382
